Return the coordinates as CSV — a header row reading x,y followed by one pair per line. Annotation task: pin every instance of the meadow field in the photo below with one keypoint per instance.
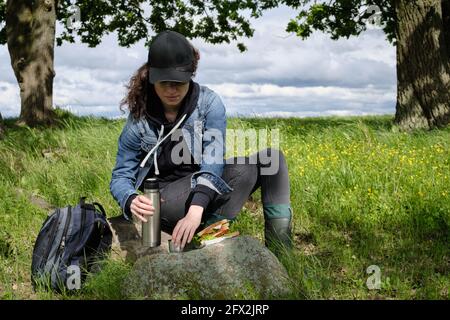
x,y
363,195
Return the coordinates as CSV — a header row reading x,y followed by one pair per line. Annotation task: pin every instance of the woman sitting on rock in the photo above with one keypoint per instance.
x,y
187,121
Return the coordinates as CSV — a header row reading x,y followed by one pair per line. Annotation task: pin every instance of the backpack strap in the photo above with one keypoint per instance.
x,y
82,202
85,206
100,207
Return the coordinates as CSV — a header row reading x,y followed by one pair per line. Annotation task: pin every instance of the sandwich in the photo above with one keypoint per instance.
x,y
212,234
215,233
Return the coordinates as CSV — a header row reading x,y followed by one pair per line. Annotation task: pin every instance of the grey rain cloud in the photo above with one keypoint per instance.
x,y
279,75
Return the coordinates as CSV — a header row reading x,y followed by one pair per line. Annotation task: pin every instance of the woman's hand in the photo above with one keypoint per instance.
x,y
185,229
141,206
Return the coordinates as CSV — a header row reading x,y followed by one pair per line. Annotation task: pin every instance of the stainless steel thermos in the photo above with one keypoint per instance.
x,y
151,230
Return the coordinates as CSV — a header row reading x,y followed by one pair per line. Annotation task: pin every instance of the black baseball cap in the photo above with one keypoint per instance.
x,y
170,58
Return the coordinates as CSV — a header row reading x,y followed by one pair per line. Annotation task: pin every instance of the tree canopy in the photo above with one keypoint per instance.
x,y
213,20
344,18
216,21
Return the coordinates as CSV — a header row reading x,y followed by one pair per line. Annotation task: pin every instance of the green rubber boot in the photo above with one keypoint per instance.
x,y
277,227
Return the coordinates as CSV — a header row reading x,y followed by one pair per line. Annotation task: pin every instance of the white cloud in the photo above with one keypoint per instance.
x,y
9,99
73,84
269,99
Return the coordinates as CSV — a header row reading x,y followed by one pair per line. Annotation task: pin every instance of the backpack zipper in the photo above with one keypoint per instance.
x,y
83,219
62,243
52,237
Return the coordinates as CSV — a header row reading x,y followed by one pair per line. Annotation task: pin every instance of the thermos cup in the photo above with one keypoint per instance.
x,y
151,230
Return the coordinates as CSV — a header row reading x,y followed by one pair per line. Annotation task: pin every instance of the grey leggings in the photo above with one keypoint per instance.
x,y
243,178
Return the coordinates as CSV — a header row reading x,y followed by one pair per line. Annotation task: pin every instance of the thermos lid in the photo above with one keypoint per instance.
x,y
151,183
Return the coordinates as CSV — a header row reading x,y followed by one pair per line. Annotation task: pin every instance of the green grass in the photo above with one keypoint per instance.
x,y
362,193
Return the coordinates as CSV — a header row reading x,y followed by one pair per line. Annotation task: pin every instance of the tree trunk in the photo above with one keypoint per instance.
x,y
2,128
30,29
423,64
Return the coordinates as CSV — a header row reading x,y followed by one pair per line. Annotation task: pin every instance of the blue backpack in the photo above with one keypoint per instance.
x,y
69,243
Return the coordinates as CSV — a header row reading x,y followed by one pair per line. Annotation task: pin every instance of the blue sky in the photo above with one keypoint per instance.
x,y
279,75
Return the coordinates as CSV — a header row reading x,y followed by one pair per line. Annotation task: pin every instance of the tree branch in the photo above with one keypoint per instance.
x,y
139,11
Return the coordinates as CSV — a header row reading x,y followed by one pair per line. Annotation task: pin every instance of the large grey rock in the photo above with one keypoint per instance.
x,y
235,268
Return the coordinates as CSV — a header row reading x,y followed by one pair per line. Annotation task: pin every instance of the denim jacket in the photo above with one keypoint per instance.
x,y
204,131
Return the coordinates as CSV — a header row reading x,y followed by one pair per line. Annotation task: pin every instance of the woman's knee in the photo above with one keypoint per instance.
x,y
272,153
237,174
271,160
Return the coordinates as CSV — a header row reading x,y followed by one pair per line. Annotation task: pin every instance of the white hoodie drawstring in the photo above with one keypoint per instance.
x,y
155,157
158,143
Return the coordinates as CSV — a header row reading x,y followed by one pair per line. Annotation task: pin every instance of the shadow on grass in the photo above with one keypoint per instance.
x,y
20,137
64,120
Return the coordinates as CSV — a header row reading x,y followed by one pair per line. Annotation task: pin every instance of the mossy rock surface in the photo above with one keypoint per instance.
x,y
235,268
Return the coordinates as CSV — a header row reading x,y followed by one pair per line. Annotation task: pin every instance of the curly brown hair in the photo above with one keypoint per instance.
x,y
138,88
